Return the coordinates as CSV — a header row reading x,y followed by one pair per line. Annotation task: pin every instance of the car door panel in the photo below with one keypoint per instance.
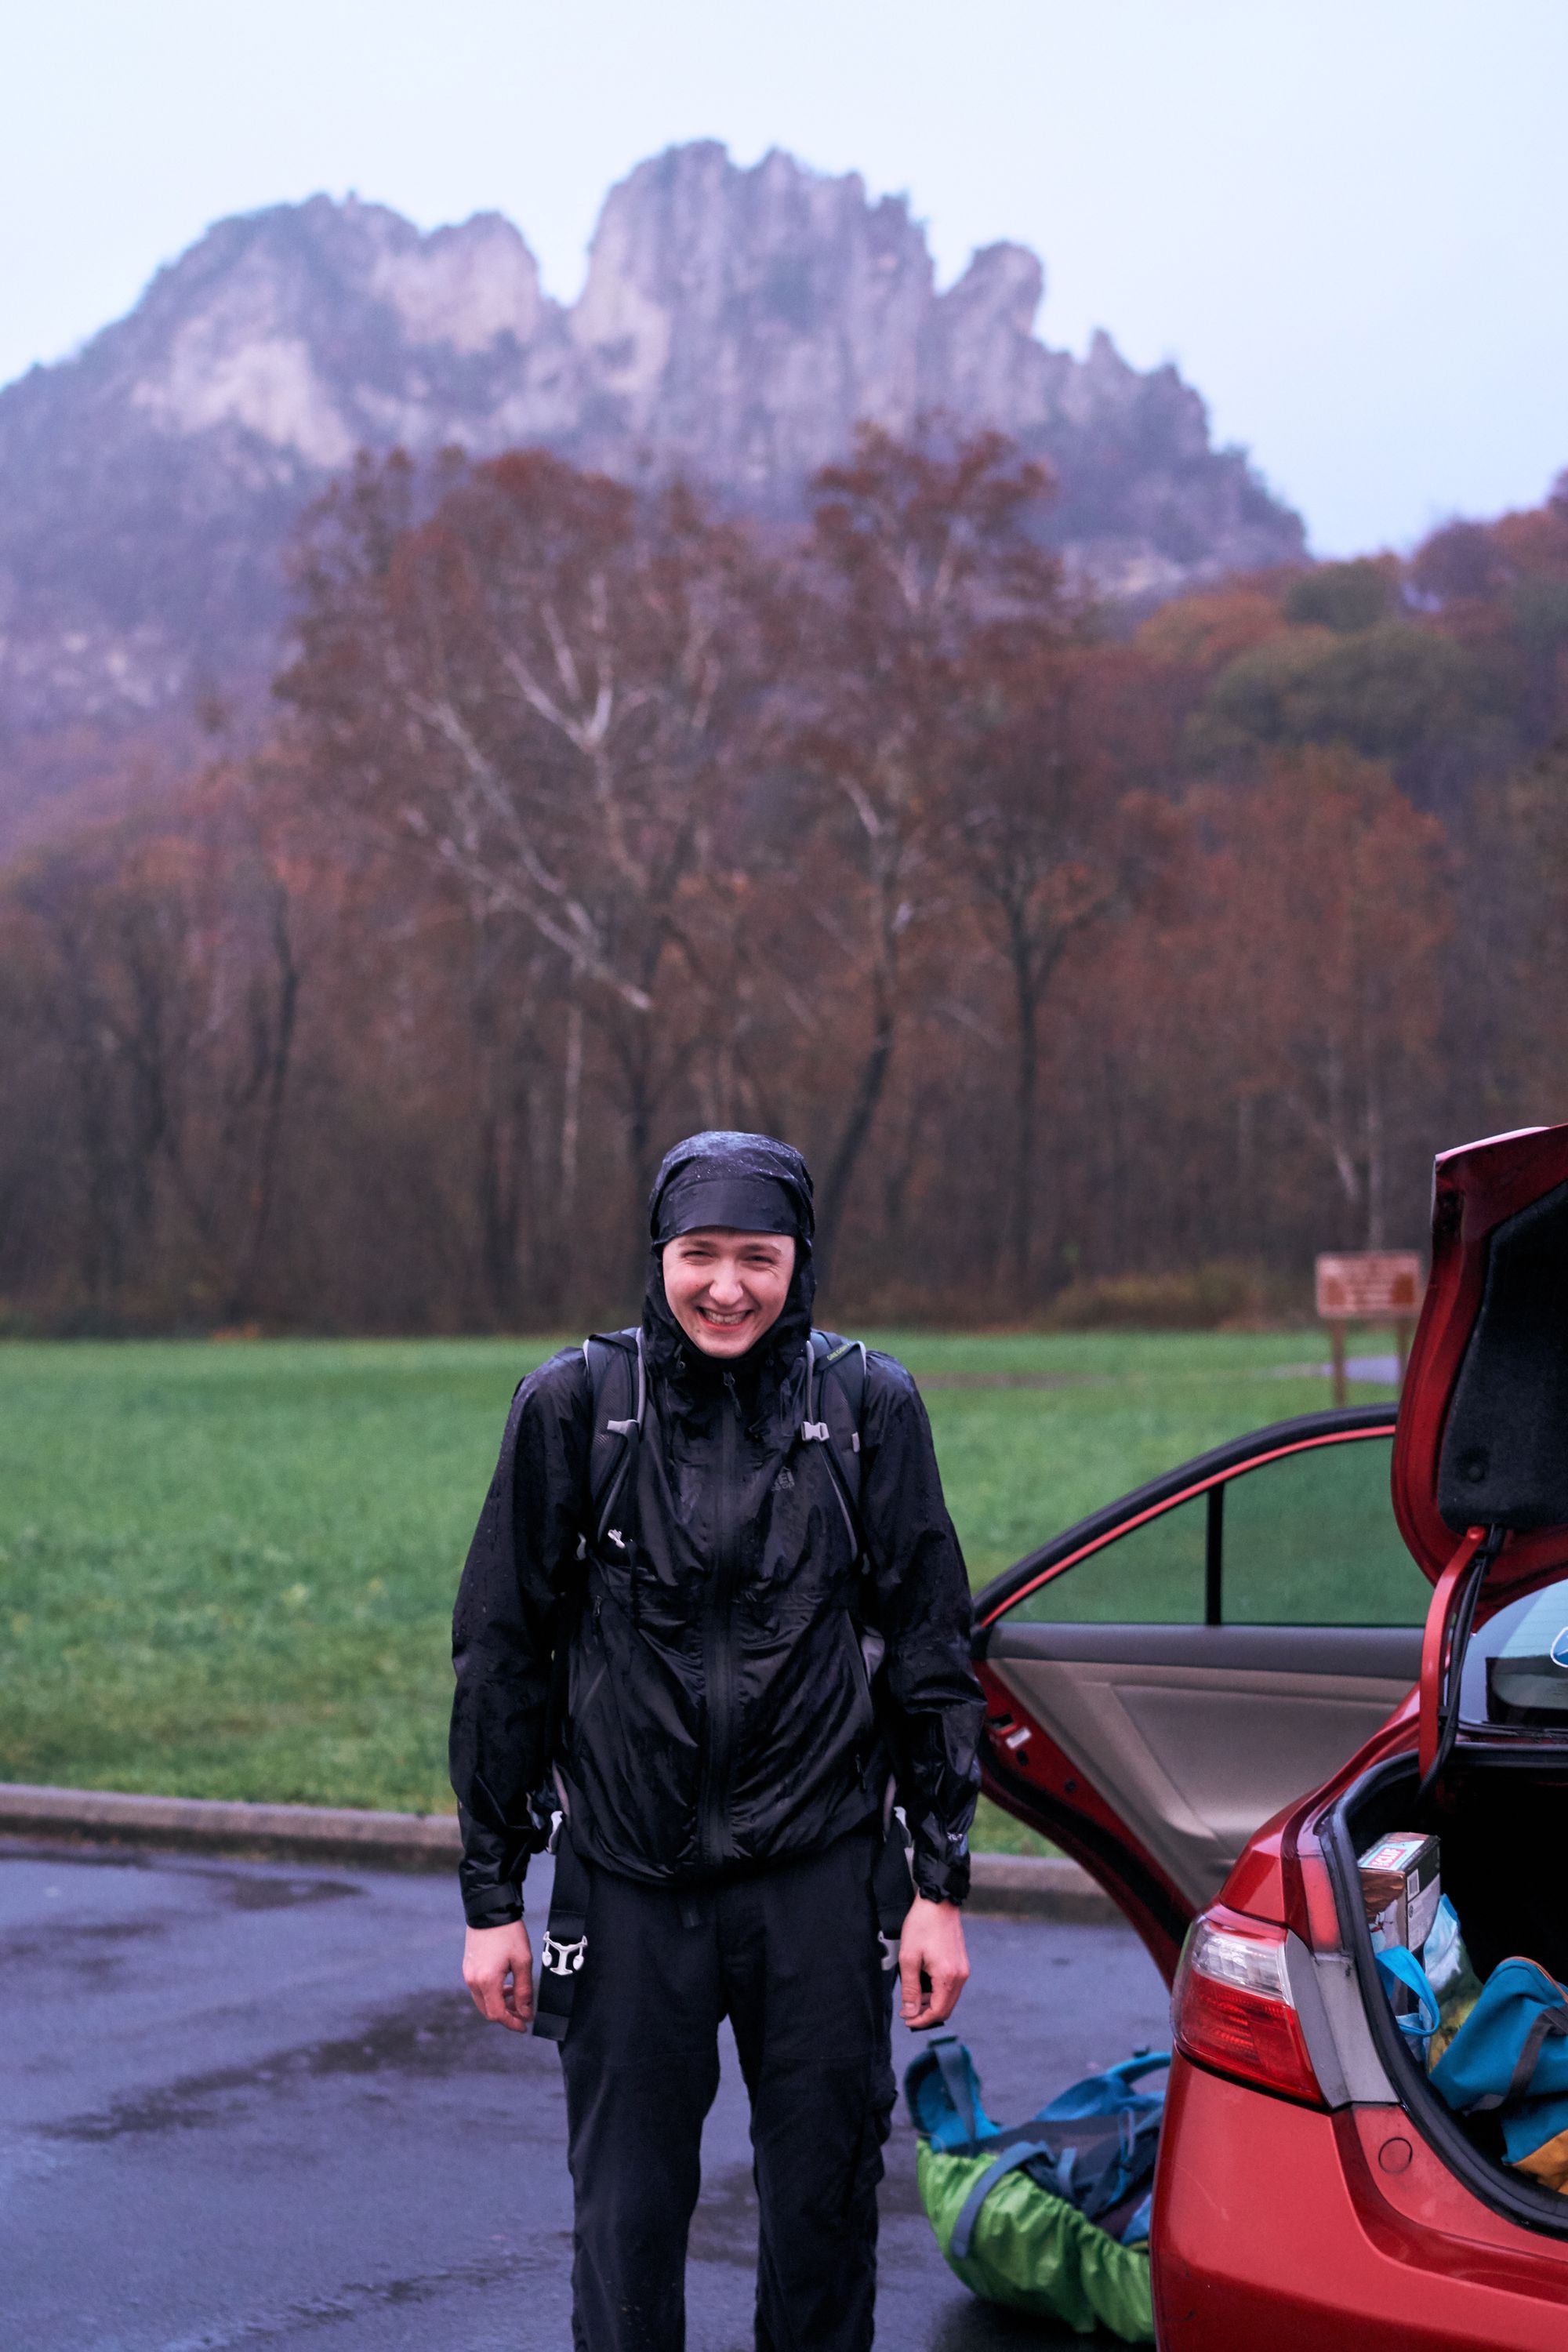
x,y
1194,1755
1132,1724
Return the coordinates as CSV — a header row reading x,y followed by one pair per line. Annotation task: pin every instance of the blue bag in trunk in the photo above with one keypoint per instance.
x,y
1510,2057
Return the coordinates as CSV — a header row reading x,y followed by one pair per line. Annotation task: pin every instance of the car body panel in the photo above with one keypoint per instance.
x,y
1277,2225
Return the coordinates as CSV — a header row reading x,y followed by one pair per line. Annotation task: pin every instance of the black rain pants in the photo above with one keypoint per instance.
x,y
791,1955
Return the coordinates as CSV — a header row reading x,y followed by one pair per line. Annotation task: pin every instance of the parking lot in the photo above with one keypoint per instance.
x,y
248,2103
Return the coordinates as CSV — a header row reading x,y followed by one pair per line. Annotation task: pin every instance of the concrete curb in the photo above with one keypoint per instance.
x,y
1029,1886
282,1833
1039,1886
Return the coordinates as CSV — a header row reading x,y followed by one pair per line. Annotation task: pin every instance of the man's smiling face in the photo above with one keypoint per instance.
x,y
726,1288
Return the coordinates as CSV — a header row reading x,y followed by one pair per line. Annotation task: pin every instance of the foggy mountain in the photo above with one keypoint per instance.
x,y
735,324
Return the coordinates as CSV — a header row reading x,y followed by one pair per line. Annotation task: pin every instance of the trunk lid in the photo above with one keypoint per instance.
x,y
1480,1454
1482,1439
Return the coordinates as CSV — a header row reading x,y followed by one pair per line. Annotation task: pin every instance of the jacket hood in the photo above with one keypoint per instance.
x,y
756,1184
753,1183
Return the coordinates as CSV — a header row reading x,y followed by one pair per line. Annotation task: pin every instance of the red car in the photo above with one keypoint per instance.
x,y
1220,1691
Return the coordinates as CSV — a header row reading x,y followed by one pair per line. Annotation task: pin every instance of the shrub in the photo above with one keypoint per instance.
x,y
1201,1298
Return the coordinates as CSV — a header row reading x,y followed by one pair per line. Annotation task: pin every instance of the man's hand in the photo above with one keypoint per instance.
x,y
933,1966
498,1968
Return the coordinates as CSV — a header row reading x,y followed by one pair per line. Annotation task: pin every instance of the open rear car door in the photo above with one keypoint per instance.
x,y
1165,1677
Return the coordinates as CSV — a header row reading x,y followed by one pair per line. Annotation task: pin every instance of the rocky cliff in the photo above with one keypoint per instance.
x,y
736,323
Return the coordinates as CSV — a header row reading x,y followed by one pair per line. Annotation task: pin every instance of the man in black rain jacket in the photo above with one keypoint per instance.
x,y
718,1685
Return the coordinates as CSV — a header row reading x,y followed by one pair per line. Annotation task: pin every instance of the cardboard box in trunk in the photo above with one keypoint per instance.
x,y
1401,1885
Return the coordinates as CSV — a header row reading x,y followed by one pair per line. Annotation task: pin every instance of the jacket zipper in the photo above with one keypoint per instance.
x,y
715,1841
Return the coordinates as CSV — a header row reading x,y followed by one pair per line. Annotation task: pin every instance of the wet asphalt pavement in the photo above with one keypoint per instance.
x,y
249,2104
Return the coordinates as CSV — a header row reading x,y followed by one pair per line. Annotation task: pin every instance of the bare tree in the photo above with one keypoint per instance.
x,y
544,688
1040,817
917,549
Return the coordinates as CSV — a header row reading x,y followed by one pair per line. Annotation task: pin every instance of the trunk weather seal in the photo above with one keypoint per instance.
x,y
1540,2210
1450,1671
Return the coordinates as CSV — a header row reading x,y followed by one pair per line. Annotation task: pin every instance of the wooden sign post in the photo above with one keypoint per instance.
x,y
1369,1287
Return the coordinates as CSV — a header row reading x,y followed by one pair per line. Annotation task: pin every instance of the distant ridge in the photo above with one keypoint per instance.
x,y
734,323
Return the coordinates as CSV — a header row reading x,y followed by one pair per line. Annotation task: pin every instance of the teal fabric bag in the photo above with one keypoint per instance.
x,y
1511,2055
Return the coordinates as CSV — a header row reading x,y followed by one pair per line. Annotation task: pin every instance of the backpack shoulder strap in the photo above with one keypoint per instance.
x,y
1013,2160
617,1383
835,1391
617,1393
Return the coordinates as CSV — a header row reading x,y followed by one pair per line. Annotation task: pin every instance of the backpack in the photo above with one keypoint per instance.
x,y
1510,2057
618,1379
1051,2216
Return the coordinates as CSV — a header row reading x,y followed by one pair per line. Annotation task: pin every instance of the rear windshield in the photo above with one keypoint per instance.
x,y
1516,1668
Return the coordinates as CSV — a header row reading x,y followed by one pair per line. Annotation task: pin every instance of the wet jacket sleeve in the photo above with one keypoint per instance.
x,y
515,1593
934,1704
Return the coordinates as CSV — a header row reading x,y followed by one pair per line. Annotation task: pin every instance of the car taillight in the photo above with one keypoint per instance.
x,y
1233,2008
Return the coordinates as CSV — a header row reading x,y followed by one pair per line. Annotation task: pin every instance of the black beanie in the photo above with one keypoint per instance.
x,y
749,1184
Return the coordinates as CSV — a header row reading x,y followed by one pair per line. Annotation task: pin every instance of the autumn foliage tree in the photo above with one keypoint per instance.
x,y
1068,945
154,978
539,690
928,593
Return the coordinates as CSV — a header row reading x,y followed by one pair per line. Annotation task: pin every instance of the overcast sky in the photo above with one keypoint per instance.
x,y
1347,224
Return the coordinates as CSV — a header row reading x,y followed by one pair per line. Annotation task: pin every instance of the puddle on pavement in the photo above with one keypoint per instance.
x,y
243,1892
291,2323
246,1887
433,2037
74,1952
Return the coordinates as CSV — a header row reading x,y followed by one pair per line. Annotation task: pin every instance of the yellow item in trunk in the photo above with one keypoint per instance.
x,y
1548,2163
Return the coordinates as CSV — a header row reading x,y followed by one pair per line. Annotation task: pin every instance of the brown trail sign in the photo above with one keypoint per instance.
x,y
1369,1287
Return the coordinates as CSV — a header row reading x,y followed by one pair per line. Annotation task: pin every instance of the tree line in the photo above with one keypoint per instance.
x,y
1102,966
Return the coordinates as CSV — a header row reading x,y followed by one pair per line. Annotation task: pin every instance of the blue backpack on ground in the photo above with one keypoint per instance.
x,y
1050,2216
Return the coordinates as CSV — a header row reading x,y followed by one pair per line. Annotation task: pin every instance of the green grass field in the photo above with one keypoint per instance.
x,y
226,1570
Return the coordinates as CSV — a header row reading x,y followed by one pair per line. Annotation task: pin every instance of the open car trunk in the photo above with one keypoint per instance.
x,y
1480,1491
1502,1820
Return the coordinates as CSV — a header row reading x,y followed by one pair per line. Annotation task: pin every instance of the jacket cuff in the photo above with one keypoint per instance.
x,y
942,1880
492,1907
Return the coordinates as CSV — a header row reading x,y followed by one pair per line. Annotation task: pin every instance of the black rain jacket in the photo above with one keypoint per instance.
x,y
718,1709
